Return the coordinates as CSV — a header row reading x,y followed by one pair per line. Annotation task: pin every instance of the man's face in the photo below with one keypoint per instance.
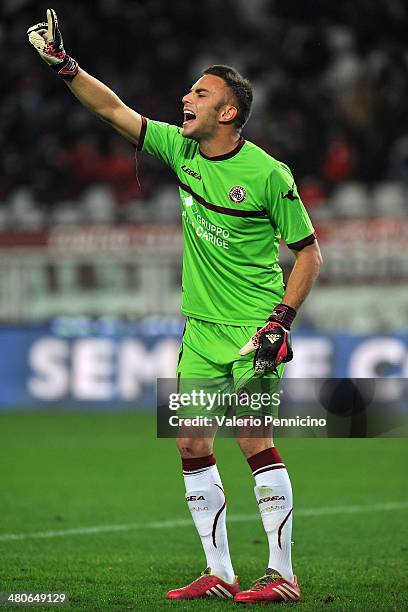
x,y
207,104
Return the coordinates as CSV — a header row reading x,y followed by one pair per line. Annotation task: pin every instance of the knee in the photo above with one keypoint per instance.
x,y
252,446
194,447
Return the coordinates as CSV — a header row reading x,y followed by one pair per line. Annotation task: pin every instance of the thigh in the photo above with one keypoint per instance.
x,y
201,352
203,370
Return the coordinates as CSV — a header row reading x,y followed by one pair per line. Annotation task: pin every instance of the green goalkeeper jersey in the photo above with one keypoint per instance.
x,y
235,208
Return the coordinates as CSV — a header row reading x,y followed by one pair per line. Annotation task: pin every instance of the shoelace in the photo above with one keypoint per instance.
x,y
264,581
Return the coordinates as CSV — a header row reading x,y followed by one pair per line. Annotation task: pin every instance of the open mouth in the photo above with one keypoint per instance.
x,y
189,116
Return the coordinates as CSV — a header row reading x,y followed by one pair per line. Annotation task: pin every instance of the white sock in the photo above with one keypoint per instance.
x,y
273,492
206,500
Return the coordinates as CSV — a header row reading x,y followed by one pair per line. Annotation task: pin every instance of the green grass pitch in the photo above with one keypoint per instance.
x,y
63,471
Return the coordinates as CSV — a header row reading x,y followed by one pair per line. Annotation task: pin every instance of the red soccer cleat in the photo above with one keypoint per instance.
x,y
207,585
271,588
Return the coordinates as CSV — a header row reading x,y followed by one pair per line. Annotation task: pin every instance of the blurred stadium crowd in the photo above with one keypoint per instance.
x,y
331,91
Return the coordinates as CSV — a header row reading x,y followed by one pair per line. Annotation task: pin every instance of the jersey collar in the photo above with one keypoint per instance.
x,y
237,149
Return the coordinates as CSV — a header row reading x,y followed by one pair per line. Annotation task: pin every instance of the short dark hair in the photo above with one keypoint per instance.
x,y
240,87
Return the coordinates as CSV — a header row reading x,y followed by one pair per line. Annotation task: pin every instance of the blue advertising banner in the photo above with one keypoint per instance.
x,y
115,364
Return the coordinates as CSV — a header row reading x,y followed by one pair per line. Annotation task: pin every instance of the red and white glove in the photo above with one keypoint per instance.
x,y
272,342
47,39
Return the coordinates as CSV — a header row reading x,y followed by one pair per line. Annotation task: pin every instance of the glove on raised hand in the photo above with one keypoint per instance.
x,y
47,40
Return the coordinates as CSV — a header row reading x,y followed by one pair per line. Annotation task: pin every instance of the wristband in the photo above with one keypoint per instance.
x,y
283,314
67,69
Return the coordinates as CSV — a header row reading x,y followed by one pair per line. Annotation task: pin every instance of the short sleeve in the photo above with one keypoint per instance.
x,y
161,140
286,210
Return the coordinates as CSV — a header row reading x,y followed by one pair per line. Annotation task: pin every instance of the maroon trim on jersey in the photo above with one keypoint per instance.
x,y
197,463
301,244
267,457
221,209
217,516
142,134
237,149
281,526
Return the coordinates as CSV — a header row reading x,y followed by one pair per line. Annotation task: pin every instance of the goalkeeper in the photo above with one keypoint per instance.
x,y
237,202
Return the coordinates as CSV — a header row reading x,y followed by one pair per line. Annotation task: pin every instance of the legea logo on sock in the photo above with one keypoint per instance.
x,y
269,499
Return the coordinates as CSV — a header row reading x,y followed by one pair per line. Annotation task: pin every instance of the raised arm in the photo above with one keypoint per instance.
x,y
94,95
102,101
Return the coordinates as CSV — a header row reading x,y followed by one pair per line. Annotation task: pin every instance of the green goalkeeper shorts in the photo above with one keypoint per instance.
x,y
209,361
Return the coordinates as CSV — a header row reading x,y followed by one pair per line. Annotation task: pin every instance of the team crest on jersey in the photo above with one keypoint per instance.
x,y
237,194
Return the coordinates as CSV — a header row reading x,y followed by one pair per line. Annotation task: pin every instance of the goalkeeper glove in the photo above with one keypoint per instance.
x,y
272,342
47,39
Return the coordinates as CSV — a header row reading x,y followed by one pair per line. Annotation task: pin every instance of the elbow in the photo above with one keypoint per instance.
x,y
312,256
317,256
319,261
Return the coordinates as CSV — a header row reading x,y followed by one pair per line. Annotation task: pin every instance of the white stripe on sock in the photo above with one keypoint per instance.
x,y
199,471
271,465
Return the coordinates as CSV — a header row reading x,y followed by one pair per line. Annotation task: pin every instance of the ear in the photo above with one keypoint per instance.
x,y
228,114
